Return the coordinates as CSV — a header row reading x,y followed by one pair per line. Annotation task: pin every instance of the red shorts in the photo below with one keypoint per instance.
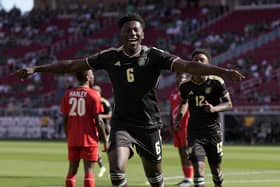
x,y
86,153
180,137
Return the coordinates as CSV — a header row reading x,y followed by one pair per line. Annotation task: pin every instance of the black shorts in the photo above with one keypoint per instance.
x,y
210,146
148,143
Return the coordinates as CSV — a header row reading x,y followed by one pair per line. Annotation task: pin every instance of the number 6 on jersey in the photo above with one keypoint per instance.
x,y
130,75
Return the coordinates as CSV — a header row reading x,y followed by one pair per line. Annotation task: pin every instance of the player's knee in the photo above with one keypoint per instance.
x,y
218,179
156,180
118,179
198,181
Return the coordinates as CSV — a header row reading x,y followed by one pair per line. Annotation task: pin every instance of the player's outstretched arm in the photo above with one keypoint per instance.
x,y
195,68
64,66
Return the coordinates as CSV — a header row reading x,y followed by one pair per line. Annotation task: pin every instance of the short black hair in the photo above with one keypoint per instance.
x,y
81,76
202,51
131,17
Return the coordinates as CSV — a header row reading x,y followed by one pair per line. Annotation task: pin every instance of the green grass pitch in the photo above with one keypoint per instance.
x,y
44,164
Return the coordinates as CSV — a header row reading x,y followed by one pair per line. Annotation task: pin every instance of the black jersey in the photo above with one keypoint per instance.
x,y
211,90
134,79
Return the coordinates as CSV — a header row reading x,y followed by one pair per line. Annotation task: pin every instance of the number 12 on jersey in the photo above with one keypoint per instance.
x,y
199,100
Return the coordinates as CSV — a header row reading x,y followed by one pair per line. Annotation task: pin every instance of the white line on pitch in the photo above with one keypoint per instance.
x,y
234,173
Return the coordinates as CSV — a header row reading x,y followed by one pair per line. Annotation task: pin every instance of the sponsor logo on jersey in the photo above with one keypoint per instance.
x,y
190,92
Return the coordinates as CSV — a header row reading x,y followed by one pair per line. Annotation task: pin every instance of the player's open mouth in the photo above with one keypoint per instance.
x,y
132,41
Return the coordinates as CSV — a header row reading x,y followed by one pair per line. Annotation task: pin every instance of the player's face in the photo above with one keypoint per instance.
x,y
131,36
201,58
90,78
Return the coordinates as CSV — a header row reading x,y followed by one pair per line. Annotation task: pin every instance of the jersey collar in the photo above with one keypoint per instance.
x,y
200,83
131,56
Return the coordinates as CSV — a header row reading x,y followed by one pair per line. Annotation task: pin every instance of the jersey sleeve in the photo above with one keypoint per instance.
x,y
163,59
224,90
221,87
101,60
94,62
183,90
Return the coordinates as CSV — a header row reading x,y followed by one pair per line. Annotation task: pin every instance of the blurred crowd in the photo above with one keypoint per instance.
x,y
43,36
252,129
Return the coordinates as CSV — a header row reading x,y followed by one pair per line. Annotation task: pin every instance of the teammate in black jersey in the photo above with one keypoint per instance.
x,y
106,117
134,71
206,96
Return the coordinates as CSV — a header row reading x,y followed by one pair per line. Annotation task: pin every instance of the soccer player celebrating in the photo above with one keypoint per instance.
x,y
179,115
206,96
80,107
134,71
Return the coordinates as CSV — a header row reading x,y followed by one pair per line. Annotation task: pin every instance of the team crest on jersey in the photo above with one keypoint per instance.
x,y
118,63
141,61
208,90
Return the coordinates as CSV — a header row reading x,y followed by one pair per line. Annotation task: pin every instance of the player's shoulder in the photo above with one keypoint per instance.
x,y
111,50
157,50
146,48
67,91
92,93
216,78
184,83
105,101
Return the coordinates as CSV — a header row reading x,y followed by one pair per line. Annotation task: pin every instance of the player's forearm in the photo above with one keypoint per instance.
x,y
101,129
223,107
106,116
181,111
204,69
198,68
64,66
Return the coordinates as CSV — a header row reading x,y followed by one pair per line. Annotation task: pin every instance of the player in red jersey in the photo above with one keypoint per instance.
x,y
81,106
179,128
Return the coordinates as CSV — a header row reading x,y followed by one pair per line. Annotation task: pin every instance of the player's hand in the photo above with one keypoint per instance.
x,y
208,107
234,75
25,72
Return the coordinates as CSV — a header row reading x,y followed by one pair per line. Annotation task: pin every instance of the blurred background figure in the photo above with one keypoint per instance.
x,y
105,116
179,117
